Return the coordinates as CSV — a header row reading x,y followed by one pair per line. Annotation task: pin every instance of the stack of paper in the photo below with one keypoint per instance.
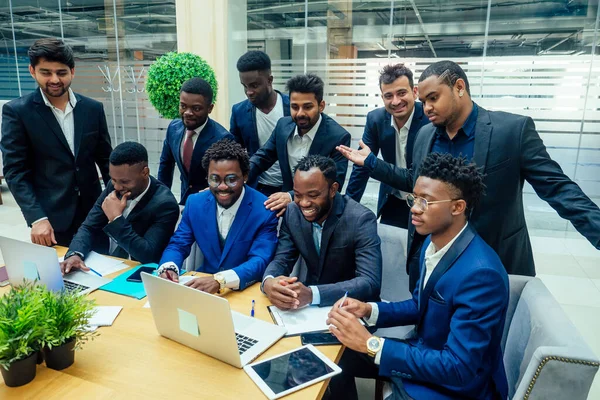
x,y
303,320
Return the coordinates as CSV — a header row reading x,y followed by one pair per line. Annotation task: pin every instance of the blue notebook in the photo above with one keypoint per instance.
x,y
120,285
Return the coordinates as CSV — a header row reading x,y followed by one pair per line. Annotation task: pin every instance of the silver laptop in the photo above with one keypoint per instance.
x,y
205,322
34,262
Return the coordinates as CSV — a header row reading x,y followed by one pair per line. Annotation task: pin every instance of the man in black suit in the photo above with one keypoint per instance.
x,y
133,218
307,131
336,237
508,150
52,140
189,137
392,130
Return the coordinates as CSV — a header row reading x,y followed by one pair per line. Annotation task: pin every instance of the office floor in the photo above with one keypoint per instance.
x,y
567,263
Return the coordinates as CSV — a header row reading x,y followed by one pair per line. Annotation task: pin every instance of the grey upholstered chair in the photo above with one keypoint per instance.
x,y
544,355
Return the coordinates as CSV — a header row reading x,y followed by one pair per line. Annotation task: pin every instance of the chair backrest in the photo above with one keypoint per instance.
x,y
394,280
545,357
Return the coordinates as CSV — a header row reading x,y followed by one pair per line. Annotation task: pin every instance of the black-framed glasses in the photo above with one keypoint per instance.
x,y
230,180
422,204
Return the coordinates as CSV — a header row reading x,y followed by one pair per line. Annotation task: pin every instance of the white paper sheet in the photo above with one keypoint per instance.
x,y
105,315
101,264
303,320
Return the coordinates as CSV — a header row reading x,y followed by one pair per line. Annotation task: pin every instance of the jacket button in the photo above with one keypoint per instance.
x,y
420,341
76,189
77,169
190,186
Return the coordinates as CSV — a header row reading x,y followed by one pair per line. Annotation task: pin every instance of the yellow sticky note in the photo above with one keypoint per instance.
x,y
188,322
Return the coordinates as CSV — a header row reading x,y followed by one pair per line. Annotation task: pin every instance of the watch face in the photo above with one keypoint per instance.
x,y
373,343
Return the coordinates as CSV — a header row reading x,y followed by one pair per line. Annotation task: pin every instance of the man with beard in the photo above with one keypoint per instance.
x,y
336,238
133,218
52,140
307,131
253,120
235,233
391,130
188,138
508,150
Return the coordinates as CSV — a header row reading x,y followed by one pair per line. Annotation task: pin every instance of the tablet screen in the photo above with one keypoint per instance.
x,y
291,370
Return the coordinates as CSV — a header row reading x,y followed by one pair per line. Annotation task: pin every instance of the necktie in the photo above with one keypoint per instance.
x,y
188,150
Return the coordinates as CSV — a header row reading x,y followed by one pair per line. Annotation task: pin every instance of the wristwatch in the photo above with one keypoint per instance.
x,y
73,253
221,279
374,345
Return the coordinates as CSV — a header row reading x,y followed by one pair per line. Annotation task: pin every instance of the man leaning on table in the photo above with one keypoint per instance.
x,y
230,224
335,237
134,217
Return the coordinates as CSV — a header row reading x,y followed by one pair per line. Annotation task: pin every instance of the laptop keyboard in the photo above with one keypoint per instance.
x,y
244,342
75,287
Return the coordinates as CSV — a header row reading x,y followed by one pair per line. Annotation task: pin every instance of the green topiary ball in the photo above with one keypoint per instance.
x,y
167,74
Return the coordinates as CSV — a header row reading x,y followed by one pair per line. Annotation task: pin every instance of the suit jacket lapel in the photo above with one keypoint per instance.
x,y
252,116
483,134
459,246
238,223
388,139
78,122
306,228
48,117
144,200
283,155
329,228
412,133
211,228
320,137
177,149
419,153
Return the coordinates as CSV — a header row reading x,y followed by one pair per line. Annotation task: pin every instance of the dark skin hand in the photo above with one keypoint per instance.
x,y
73,262
206,284
344,324
280,295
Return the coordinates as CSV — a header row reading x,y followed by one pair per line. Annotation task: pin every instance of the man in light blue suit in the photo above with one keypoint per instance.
x,y
458,307
230,224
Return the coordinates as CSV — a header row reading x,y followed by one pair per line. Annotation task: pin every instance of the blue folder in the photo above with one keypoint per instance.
x,y
120,285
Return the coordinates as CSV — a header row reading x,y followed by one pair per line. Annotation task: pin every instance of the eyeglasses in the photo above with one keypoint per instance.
x,y
230,180
420,203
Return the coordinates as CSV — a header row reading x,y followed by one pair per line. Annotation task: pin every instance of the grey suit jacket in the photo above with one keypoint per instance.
x,y
509,151
350,258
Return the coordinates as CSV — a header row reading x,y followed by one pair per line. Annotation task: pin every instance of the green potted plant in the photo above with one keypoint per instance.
x,y
21,333
66,315
167,74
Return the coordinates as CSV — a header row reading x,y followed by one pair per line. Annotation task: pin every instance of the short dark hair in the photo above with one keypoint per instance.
x,y
449,71
129,153
325,164
390,73
309,83
227,149
457,172
254,60
51,49
198,86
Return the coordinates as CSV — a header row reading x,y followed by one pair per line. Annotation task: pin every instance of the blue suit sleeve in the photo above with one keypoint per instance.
x,y
360,175
260,254
181,242
166,166
478,315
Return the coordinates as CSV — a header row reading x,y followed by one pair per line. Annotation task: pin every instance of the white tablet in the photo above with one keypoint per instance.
x,y
288,372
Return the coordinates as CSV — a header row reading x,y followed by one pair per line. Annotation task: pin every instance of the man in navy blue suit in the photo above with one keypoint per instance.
x,y
391,129
308,131
230,224
189,137
459,305
253,120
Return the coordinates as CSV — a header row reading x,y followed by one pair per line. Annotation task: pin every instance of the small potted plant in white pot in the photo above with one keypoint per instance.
x,y
21,333
66,317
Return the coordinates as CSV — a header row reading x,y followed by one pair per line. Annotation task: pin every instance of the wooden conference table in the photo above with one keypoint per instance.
x,y
130,360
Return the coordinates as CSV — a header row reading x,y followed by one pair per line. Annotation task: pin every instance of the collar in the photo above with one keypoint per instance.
x,y
72,99
437,255
137,199
313,131
234,207
201,127
406,125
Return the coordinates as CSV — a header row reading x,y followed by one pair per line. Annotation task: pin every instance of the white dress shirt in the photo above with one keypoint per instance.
x,y
194,137
128,208
298,146
432,258
265,124
401,140
65,118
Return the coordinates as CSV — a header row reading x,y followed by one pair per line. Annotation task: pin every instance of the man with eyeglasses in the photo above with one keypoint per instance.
x,y
459,305
233,230
188,138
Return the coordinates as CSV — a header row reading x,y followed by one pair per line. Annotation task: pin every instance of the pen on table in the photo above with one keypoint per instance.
x,y
96,272
343,299
252,311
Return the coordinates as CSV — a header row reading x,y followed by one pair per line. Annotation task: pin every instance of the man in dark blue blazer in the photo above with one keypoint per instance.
x,y
52,139
133,218
391,130
459,306
188,138
509,152
230,224
253,120
307,131
335,237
